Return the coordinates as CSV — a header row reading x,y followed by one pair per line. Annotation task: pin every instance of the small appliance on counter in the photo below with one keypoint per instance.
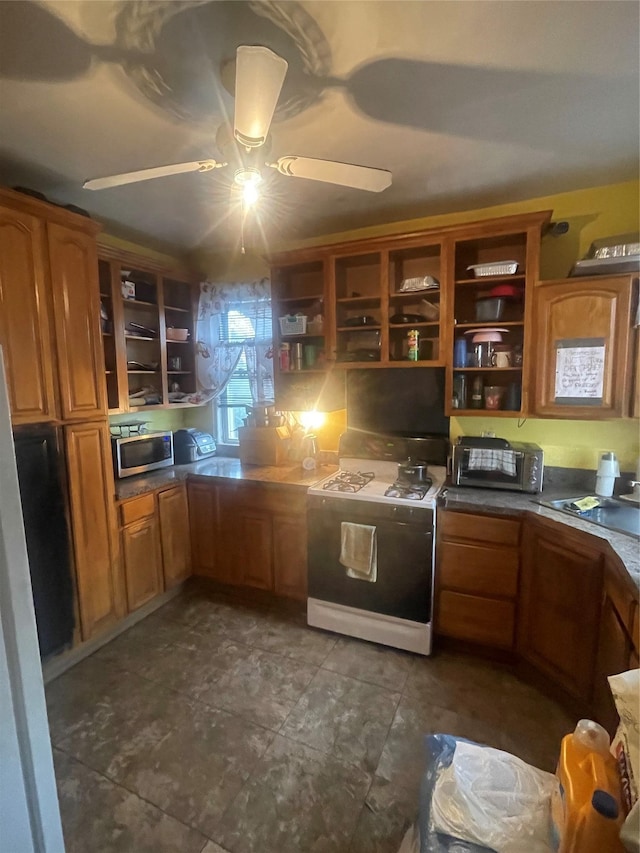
x,y
192,445
495,463
141,453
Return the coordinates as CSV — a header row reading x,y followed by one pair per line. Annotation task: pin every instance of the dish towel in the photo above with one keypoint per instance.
x,y
481,459
359,551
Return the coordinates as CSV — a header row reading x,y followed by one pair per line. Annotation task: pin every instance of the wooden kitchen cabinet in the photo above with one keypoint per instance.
x,y
25,333
173,511
156,543
512,238
290,555
49,323
94,527
618,644
583,312
208,536
138,351
76,307
245,534
142,561
561,589
477,577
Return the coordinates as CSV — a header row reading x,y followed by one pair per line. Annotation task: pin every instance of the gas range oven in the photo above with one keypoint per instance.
x,y
371,540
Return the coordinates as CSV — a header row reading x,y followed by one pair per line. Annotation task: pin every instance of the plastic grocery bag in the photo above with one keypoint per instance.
x,y
491,798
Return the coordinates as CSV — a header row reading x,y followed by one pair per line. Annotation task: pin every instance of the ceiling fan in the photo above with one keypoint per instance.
x,y
260,74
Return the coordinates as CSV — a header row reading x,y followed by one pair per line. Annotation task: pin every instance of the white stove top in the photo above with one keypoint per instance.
x,y
385,474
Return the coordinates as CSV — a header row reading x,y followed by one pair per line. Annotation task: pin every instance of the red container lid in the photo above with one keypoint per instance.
x,y
511,291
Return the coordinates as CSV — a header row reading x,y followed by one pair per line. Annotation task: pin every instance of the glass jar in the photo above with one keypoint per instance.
x,y
477,393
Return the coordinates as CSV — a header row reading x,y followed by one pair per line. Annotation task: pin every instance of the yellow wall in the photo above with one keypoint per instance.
x,y
591,214
569,444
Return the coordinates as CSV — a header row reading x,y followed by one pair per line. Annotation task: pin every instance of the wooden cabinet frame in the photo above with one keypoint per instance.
x,y
160,313
382,300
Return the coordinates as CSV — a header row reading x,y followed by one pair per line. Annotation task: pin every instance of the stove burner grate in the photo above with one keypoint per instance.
x,y
411,493
349,481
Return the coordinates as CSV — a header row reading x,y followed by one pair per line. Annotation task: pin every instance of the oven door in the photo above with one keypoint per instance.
x,y
404,559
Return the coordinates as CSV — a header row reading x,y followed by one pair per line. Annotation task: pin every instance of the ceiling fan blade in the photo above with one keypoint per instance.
x,y
148,174
260,74
331,172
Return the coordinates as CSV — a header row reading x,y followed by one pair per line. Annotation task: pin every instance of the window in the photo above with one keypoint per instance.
x,y
249,323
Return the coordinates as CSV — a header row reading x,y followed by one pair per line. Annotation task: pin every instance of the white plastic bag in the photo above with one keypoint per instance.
x,y
492,798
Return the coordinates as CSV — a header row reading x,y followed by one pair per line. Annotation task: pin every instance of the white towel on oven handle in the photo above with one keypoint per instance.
x,y
359,551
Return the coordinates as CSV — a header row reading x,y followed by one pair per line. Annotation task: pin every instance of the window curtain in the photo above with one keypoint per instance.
x,y
220,345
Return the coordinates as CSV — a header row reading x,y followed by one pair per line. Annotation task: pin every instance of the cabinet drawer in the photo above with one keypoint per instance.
x,y
137,508
481,571
480,528
477,619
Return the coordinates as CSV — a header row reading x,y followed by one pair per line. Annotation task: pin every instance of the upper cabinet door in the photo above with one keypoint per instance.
x,y
25,334
76,302
582,346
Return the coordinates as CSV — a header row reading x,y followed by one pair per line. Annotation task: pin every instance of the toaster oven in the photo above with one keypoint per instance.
x,y
495,463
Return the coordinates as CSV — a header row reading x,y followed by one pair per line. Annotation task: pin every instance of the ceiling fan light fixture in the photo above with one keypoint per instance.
x,y
248,179
260,74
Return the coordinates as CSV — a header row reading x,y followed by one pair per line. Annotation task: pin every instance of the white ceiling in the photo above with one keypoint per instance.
x,y
467,103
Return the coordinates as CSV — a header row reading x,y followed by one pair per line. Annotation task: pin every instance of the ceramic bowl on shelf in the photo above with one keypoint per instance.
x,y
486,335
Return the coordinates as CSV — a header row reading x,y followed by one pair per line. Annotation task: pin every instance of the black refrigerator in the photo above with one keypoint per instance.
x,y
42,494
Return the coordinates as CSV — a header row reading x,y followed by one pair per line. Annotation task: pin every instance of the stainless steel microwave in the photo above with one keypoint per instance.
x,y
495,463
138,454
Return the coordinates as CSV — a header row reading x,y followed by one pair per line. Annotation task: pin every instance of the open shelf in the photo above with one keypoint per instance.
x,y
139,303
175,308
492,279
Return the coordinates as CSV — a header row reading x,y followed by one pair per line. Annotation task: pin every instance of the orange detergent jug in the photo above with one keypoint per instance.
x,y
586,811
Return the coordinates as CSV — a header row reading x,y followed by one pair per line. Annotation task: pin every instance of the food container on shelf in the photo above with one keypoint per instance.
x,y
293,324
490,308
507,291
426,282
430,311
493,395
494,268
177,334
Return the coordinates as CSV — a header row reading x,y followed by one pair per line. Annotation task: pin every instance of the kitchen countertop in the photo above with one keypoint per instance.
x,y
627,548
474,500
225,467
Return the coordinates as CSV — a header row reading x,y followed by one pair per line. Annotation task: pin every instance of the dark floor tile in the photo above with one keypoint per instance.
x,y
370,662
141,646
196,770
297,799
388,812
291,637
234,620
343,716
121,721
98,815
260,687
402,760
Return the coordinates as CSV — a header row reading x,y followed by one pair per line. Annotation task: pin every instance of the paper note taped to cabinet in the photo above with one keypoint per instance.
x,y
579,370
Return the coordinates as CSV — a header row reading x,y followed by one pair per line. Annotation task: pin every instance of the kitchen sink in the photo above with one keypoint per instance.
x,y
613,514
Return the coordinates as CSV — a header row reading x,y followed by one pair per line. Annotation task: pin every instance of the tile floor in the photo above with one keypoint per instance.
x,y
217,725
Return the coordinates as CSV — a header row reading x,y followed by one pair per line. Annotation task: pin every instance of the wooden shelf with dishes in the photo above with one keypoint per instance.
x,y
145,307
495,265
387,299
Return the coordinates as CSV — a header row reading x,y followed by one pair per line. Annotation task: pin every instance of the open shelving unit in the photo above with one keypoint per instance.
x,y
139,357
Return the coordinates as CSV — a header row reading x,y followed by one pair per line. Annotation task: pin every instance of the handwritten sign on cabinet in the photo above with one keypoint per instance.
x,y
580,364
